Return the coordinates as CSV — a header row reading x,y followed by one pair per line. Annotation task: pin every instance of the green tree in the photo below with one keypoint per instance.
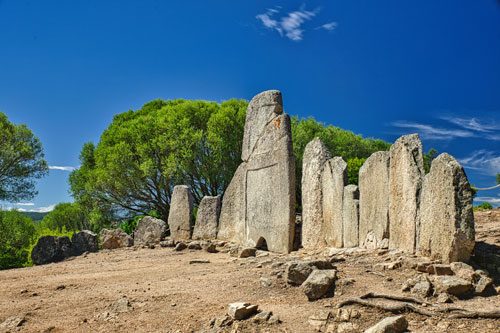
x,y
498,178
66,216
21,161
353,166
17,233
428,158
144,153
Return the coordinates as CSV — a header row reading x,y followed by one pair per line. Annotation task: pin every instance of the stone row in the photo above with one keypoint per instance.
x,y
397,205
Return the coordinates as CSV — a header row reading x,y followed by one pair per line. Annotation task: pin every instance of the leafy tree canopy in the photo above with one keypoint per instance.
x,y
21,161
17,233
66,216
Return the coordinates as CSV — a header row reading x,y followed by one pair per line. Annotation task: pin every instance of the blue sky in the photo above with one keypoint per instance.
x,y
380,69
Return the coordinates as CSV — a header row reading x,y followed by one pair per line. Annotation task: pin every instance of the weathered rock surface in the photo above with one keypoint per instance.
x,y
84,241
241,310
180,246
207,218
405,179
114,239
180,215
315,156
149,230
446,218
396,324
259,206
452,285
334,179
298,271
374,199
350,216
319,283
50,249
247,252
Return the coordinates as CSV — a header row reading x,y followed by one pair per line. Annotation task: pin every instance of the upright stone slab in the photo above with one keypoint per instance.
x,y
374,200
259,204
315,156
405,179
180,214
334,179
446,219
350,216
207,218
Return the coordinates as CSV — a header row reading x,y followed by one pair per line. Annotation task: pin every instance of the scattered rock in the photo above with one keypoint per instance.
x,y
168,243
396,324
462,270
210,248
452,285
439,269
122,305
12,323
319,283
298,271
248,252
199,261
194,246
275,319
266,282
444,298
319,320
484,286
241,310
345,315
149,231
180,246
84,241
260,254
387,266
114,239
262,316
347,328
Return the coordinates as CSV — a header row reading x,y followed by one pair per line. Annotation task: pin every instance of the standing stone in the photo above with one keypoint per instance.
x,y
334,179
207,218
84,241
180,214
374,199
315,156
232,216
149,231
259,206
446,219
350,216
405,179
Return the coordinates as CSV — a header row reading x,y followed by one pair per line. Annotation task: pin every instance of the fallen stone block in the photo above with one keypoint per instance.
x,y
396,324
319,284
241,310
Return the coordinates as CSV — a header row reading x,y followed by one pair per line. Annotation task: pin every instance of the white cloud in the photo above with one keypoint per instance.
x,y
32,210
328,26
434,133
485,162
495,201
473,124
24,204
290,24
62,168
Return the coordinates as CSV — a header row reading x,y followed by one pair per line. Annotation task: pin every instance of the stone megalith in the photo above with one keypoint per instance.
x,y
259,204
405,183
180,218
315,156
84,241
350,216
50,249
149,230
334,179
114,239
207,218
374,200
446,216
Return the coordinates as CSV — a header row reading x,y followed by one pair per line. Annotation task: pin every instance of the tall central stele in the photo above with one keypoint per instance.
x,y
259,204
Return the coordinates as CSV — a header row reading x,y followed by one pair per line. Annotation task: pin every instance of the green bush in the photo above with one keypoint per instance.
x,y
483,206
17,236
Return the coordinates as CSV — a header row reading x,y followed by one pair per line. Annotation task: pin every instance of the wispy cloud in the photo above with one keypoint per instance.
x,y
328,26
24,204
473,124
290,25
61,168
433,133
38,209
495,201
483,161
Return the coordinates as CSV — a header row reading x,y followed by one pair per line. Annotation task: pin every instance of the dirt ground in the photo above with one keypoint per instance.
x,y
168,294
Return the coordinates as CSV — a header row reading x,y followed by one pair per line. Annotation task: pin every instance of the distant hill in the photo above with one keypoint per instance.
x,y
35,216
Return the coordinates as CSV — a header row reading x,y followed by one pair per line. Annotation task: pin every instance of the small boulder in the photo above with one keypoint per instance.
x,y
180,246
452,285
149,230
84,241
50,249
298,271
444,298
194,245
210,248
114,239
462,270
439,269
241,310
483,286
168,243
262,317
396,324
248,252
319,283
